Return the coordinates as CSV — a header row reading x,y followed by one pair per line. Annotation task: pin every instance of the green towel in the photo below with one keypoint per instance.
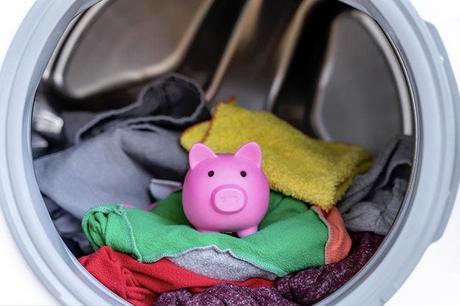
x,y
291,237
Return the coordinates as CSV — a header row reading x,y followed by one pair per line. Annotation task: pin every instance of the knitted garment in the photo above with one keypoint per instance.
x,y
304,288
223,295
296,165
140,283
291,237
311,285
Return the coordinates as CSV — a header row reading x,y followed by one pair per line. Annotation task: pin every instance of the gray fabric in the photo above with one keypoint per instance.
x,y
73,122
118,152
161,189
373,201
68,227
172,101
219,265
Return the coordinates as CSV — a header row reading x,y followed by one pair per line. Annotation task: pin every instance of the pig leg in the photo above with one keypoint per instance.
x,y
246,232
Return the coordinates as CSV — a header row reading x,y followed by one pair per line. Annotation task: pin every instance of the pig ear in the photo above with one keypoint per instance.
x,y
251,151
198,153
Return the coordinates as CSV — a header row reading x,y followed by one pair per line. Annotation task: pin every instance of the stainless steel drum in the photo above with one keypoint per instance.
x,y
352,71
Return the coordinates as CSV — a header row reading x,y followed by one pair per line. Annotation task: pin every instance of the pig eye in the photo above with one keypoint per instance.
x,y
211,173
243,173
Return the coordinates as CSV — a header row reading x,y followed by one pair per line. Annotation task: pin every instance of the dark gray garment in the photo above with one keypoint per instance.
x,y
224,295
373,201
173,101
69,228
73,122
118,152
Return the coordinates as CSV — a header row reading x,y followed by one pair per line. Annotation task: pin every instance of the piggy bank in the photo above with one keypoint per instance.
x,y
225,192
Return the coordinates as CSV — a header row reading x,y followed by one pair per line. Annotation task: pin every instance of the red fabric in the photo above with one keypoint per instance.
x,y
338,244
140,283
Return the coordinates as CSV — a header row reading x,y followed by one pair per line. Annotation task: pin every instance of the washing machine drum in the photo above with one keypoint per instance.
x,y
359,72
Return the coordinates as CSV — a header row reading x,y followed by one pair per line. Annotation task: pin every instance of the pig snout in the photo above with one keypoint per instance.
x,y
229,199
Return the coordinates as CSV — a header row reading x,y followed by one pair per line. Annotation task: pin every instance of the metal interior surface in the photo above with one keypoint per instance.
x,y
433,184
294,59
255,52
88,72
298,59
323,66
95,58
361,81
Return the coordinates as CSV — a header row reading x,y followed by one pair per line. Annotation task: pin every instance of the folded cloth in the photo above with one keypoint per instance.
x,y
173,101
312,285
373,201
304,288
165,232
339,243
118,152
296,165
223,295
220,265
140,283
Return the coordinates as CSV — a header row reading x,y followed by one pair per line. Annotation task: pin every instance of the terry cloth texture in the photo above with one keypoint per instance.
x,y
118,152
140,284
373,201
224,295
165,232
220,265
296,165
312,285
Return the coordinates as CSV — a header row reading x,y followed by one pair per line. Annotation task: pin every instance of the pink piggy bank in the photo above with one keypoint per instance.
x,y
225,192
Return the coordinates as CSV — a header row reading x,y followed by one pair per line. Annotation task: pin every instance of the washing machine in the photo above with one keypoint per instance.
x,y
396,69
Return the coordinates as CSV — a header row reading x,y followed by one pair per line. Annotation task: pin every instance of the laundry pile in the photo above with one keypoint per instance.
x,y
114,195
115,154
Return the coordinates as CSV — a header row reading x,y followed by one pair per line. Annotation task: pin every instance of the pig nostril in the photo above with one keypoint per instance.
x,y
243,173
211,173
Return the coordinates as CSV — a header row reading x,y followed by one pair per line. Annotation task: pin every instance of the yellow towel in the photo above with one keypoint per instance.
x,y
296,165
